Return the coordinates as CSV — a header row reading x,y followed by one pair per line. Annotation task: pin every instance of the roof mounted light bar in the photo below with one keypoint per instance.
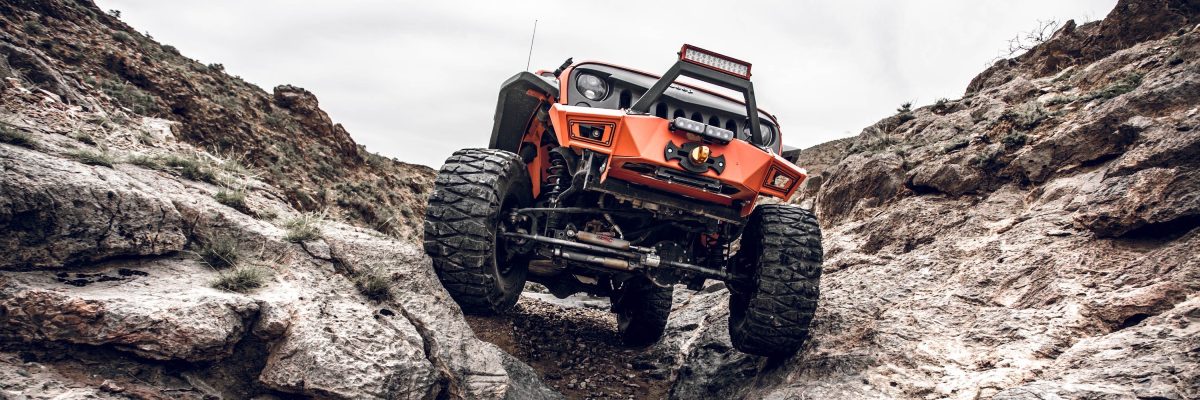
x,y
714,60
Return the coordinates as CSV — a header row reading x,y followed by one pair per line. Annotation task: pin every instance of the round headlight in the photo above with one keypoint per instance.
x,y
768,134
591,86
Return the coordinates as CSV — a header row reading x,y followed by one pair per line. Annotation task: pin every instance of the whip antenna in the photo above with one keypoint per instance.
x,y
530,57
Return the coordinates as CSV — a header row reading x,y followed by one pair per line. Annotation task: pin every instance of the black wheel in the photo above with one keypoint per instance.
x,y
471,197
642,309
781,250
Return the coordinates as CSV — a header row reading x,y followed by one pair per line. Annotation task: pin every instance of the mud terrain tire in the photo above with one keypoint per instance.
x,y
781,250
471,193
642,309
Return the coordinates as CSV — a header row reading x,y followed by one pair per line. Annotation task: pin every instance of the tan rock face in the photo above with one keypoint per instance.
x,y
1035,239
104,287
57,213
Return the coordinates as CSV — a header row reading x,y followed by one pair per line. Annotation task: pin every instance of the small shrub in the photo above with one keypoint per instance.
x,y
216,67
1126,84
905,112
129,96
143,161
33,27
241,279
281,120
84,138
122,37
233,163
115,13
1013,140
304,228
988,158
14,137
219,252
1060,99
941,104
92,158
234,198
190,168
374,284
1027,116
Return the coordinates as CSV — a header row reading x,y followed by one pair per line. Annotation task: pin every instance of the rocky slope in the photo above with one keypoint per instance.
x,y
85,57
1035,239
141,260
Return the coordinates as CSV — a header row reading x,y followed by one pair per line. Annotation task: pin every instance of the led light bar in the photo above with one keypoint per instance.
x,y
715,61
706,131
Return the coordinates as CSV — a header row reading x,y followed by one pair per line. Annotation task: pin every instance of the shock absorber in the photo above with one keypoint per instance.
x,y
558,175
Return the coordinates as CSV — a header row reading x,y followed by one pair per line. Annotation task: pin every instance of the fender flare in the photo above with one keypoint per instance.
x,y
516,107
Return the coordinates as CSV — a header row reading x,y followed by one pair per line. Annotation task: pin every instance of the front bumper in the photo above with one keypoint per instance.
x,y
637,144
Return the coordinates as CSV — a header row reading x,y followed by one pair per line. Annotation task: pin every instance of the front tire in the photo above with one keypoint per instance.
x,y
473,192
781,251
642,309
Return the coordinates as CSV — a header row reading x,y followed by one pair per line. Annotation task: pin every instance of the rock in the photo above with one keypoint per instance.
x,y
169,314
1059,264
58,213
876,178
1155,201
951,179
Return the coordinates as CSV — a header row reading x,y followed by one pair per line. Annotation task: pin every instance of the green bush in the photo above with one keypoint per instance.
x,y
129,96
122,37
375,285
241,279
304,228
1013,140
1059,100
190,168
1027,116
219,252
33,27
234,198
143,161
92,158
1126,84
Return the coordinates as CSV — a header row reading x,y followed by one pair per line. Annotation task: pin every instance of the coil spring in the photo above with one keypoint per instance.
x,y
557,174
554,182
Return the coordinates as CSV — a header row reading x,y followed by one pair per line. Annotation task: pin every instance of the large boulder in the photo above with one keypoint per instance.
x,y
58,213
161,310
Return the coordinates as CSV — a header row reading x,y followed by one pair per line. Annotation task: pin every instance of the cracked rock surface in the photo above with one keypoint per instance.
x,y
134,264
1035,239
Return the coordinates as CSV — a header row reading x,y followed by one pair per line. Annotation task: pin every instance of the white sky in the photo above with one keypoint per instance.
x,y
417,80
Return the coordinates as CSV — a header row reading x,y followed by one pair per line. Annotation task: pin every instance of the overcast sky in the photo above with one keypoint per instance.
x,y
417,80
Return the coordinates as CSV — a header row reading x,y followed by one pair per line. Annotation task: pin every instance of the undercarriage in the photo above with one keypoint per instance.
x,y
587,236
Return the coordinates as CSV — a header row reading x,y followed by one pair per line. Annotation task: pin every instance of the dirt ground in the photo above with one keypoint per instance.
x,y
576,350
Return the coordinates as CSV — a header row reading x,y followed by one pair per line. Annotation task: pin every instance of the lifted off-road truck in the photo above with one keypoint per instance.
x,y
622,183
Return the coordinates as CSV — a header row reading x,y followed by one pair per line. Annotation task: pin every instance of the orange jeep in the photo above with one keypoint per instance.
x,y
622,183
